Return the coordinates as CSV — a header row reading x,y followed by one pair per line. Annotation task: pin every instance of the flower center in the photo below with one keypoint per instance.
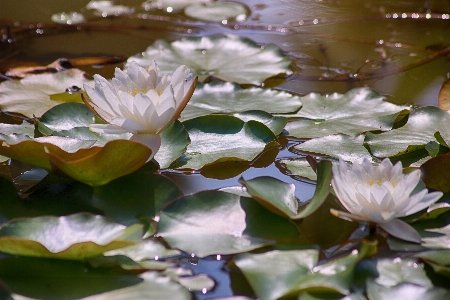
x,y
373,181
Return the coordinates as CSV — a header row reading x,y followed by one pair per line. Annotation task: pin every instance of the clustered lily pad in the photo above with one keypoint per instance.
x,y
142,224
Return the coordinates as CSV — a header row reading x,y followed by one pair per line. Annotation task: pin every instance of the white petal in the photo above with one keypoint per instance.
x,y
153,141
419,201
107,128
129,125
401,230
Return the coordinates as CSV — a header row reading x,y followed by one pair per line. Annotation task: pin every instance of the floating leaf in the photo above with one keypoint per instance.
x,y
99,165
67,116
31,96
197,224
396,271
220,138
170,5
226,57
23,129
296,167
357,111
405,291
275,274
146,249
276,124
174,141
34,151
152,286
438,242
343,146
229,97
422,124
70,237
216,11
435,173
149,194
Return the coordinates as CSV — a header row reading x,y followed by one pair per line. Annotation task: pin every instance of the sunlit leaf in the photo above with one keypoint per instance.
x,y
32,95
275,274
216,11
343,146
405,291
34,151
24,129
197,224
67,116
397,271
170,4
99,165
174,141
149,194
357,111
219,138
146,249
441,241
229,97
422,124
276,124
226,57
71,237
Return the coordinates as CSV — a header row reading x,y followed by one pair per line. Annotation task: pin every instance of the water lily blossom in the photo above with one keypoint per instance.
x,y
140,101
380,194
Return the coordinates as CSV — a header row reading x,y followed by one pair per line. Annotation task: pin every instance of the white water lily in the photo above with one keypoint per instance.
x,y
140,101
380,194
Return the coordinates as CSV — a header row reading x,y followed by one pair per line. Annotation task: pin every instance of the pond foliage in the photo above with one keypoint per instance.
x,y
91,209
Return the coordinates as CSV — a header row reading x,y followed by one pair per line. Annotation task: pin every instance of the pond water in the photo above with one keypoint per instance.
x,y
398,48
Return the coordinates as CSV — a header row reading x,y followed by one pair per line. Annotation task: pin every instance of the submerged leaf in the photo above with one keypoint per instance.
x,y
226,57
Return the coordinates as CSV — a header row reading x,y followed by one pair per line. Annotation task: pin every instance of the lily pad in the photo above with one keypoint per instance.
x,y
226,57
397,271
435,173
229,97
296,167
405,291
357,111
420,129
343,146
219,138
146,249
438,242
216,11
174,142
275,274
170,5
66,116
35,151
70,237
99,165
197,224
276,124
35,94
142,203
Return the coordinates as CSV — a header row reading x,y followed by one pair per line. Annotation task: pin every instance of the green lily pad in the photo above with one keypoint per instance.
x,y
405,291
276,124
296,167
397,271
70,237
275,274
279,197
174,142
146,249
152,286
220,138
23,129
34,151
66,116
35,94
229,97
435,173
197,224
357,111
343,146
438,242
216,11
99,165
422,124
226,57
149,194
